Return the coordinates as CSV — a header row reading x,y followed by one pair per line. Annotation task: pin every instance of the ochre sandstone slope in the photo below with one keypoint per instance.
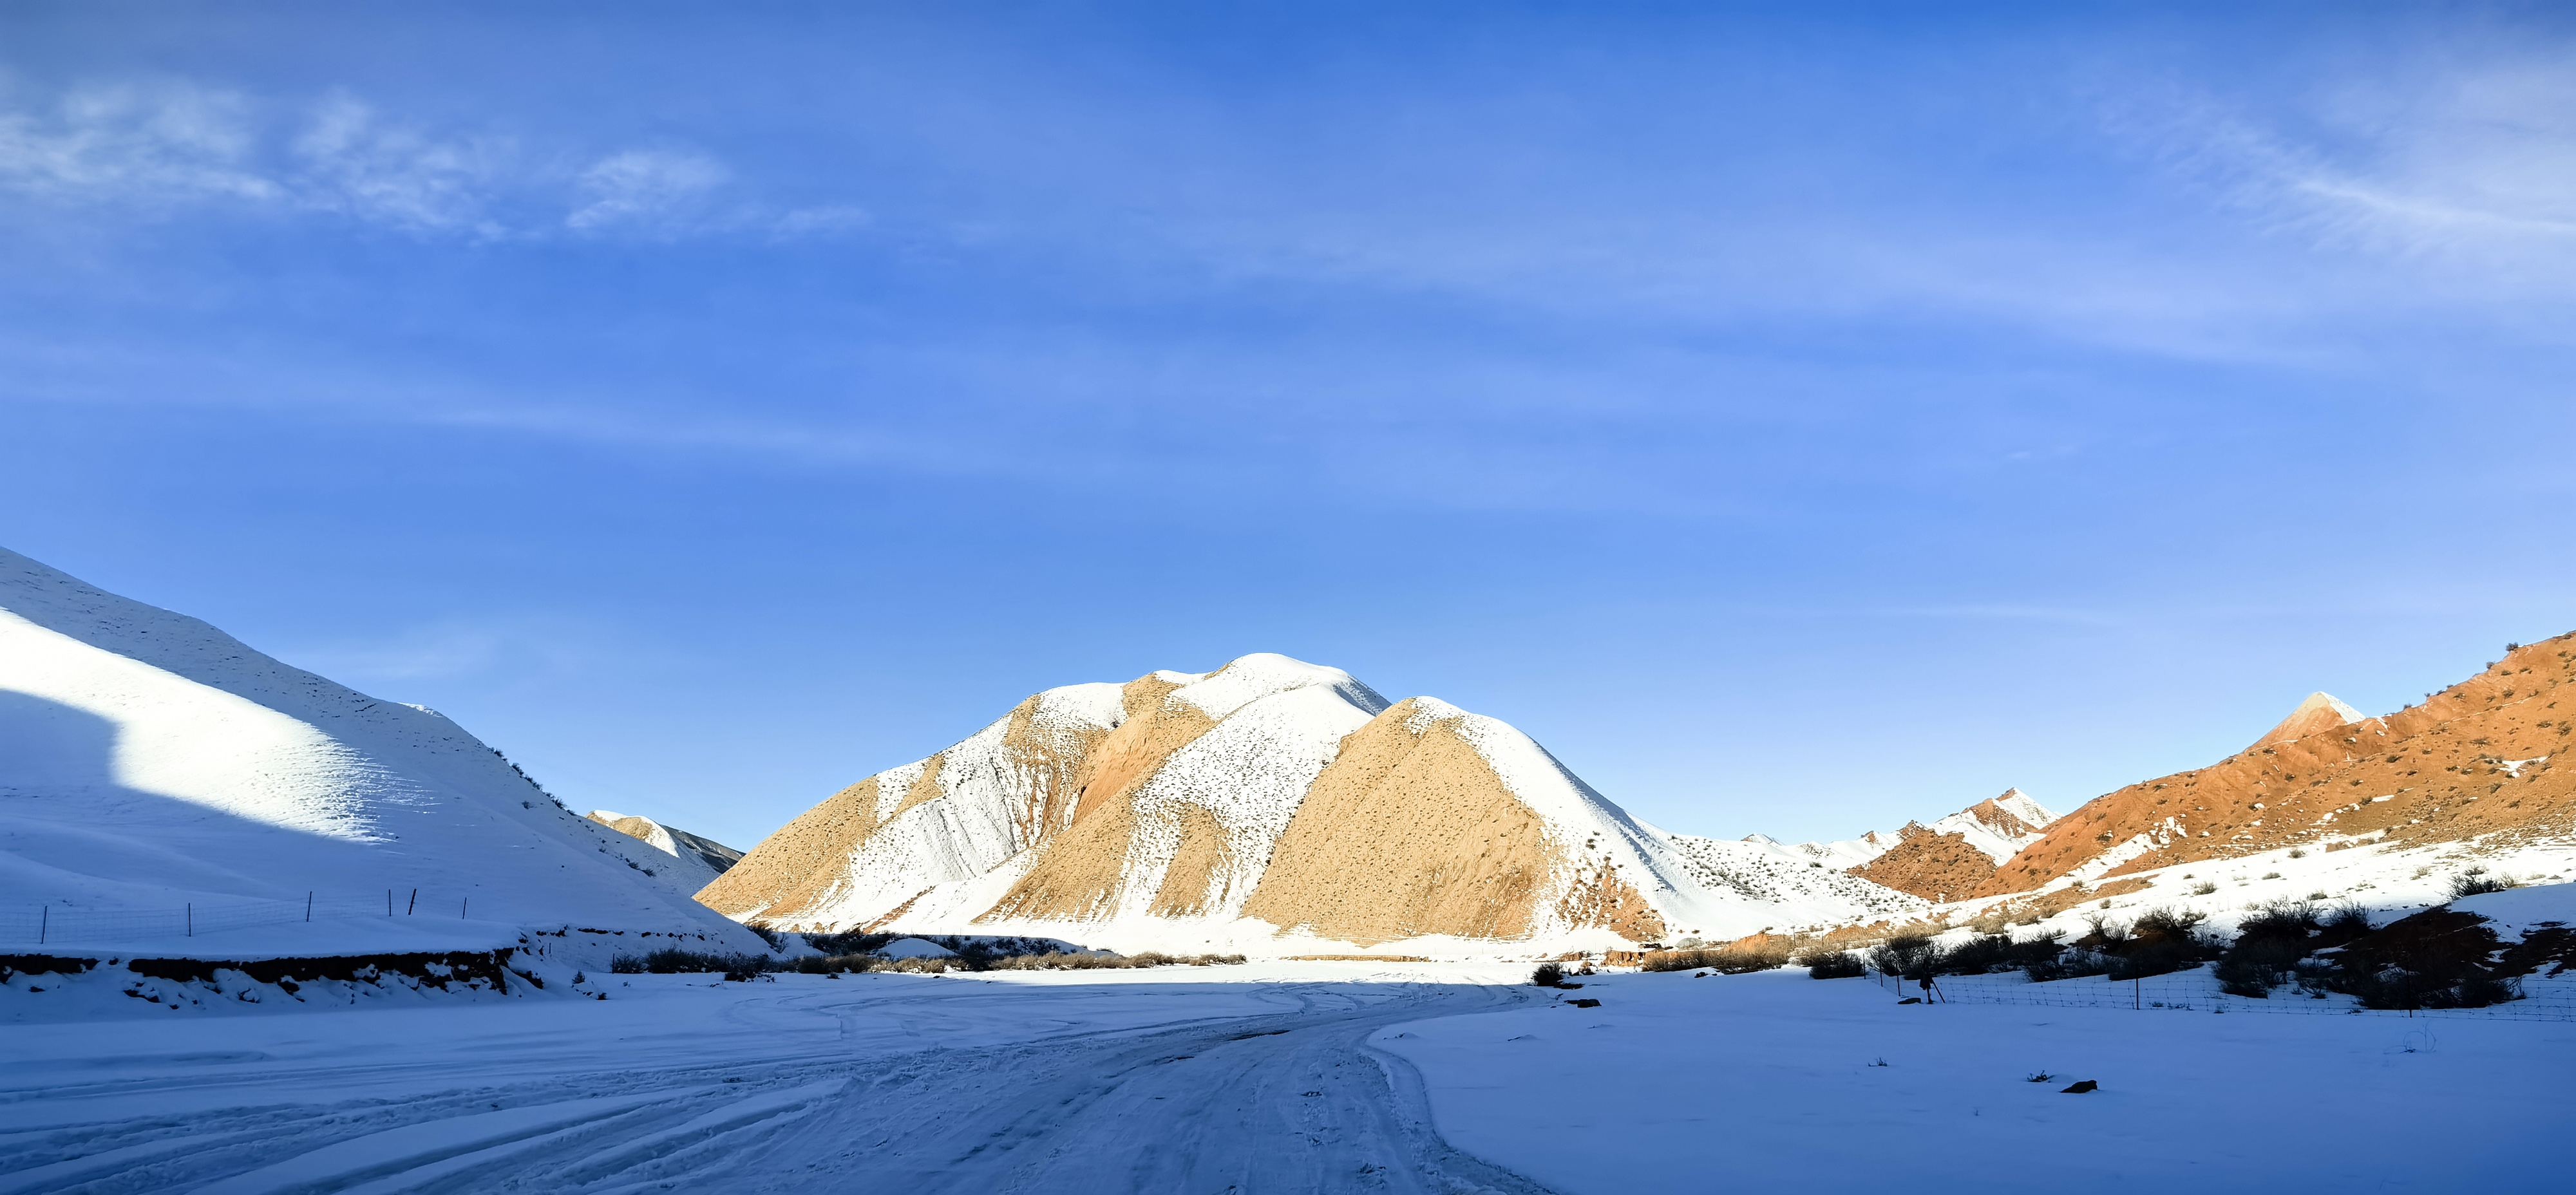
x,y
1202,790
2485,756
1410,832
1957,855
956,814
1929,864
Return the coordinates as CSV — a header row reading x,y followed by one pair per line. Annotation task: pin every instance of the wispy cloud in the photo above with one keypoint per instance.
x,y
655,190
356,162
155,145
170,146
2472,162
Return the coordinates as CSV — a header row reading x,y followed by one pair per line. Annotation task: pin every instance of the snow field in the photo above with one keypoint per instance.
x,y
2390,881
1774,1081
1172,1079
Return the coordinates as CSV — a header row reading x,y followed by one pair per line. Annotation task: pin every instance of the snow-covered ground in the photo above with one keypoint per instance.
x,y
1775,1081
1184,1078
1313,1076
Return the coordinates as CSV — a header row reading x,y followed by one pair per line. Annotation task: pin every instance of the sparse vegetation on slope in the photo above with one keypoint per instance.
x,y
665,962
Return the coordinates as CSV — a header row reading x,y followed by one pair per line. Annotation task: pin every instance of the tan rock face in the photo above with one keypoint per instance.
x,y
1407,834
793,857
2467,762
1155,727
1030,775
1083,875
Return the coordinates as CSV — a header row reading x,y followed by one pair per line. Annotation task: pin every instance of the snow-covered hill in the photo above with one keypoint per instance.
x,y
1270,801
158,777
2473,771
696,860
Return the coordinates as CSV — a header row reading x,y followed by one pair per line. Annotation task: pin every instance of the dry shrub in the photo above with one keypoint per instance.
x,y
834,945
1734,958
1358,958
2476,882
668,961
1834,964
1908,956
2163,941
2439,958
674,961
1091,962
1989,953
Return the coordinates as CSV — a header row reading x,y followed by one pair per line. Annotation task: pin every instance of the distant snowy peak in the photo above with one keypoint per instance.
x,y
1998,826
1955,855
1269,797
696,860
2320,713
1847,853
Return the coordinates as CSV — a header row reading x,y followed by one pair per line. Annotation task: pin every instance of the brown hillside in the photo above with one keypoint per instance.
x,y
1931,865
1937,865
2436,772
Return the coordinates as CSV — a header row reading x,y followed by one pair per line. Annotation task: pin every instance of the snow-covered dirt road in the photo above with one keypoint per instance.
x,y
1111,1082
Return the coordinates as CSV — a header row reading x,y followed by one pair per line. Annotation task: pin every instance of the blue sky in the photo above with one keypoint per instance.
x,y
1799,418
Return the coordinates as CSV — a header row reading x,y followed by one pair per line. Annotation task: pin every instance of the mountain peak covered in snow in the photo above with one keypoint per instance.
x,y
2321,712
1270,799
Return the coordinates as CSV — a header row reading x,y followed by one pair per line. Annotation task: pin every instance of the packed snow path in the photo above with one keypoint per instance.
x,y
1197,1088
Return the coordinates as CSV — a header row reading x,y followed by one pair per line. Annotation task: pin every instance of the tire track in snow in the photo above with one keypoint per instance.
x,y
1293,1101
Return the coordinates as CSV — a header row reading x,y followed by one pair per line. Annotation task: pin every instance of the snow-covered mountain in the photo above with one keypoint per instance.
x,y
1268,800
696,860
151,764
1956,855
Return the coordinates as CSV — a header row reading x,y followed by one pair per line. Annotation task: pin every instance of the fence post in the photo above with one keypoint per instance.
x,y
389,902
413,905
192,919
308,906
44,922
461,906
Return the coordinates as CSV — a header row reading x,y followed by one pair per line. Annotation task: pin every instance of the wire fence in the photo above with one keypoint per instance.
x,y
53,925
2197,990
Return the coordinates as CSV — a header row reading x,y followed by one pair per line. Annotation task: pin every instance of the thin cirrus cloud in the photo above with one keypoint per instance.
x,y
168,147
2471,166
